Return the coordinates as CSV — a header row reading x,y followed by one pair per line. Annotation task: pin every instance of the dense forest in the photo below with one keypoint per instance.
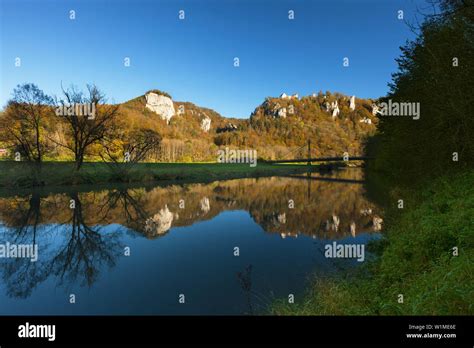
x,y
436,71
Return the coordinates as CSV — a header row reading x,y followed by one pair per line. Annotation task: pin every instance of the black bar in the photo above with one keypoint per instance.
x,y
237,329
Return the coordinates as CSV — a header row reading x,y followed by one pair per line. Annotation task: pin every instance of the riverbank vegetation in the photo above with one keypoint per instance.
x,y
427,248
426,256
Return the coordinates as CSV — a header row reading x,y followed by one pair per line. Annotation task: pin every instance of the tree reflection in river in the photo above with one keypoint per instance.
x,y
75,243
68,247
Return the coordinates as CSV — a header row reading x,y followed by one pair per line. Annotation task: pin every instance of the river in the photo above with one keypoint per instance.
x,y
226,247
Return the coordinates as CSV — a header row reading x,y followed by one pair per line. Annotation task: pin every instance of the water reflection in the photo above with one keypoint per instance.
x,y
85,249
280,205
81,234
70,249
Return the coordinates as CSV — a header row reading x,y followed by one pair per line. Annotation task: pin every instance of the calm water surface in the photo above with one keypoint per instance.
x,y
182,240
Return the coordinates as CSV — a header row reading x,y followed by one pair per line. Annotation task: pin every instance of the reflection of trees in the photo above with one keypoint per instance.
x,y
73,251
128,201
75,244
256,301
27,220
322,209
85,251
129,204
245,279
22,275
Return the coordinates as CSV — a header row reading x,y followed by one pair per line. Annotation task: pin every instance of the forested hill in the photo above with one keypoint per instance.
x,y
275,129
279,128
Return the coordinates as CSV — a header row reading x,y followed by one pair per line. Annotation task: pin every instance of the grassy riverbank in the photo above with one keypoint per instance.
x,y
415,259
21,174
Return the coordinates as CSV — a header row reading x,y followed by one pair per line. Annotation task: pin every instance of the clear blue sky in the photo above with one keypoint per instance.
x,y
192,59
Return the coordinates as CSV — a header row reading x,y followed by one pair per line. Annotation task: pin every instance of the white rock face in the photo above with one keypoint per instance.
x,y
206,124
161,105
286,96
160,223
375,109
282,112
327,106
352,105
335,109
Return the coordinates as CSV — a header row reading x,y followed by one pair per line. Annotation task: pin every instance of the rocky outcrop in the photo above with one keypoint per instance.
x,y
375,109
335,109
161,105
327,106
281,112
206,124
352,103
229,127
286,96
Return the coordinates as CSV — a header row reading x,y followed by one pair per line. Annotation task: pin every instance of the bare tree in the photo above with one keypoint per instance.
x,y
126,149
86,129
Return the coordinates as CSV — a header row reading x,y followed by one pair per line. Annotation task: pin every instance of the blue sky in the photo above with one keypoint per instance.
x,y
193,59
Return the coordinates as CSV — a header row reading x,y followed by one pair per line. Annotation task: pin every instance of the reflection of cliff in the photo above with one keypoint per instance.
x,y
280,205
160,223
330,210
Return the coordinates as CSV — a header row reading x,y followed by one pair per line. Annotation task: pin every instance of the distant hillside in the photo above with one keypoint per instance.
x,y
276,129
291,122
279,128
185,136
